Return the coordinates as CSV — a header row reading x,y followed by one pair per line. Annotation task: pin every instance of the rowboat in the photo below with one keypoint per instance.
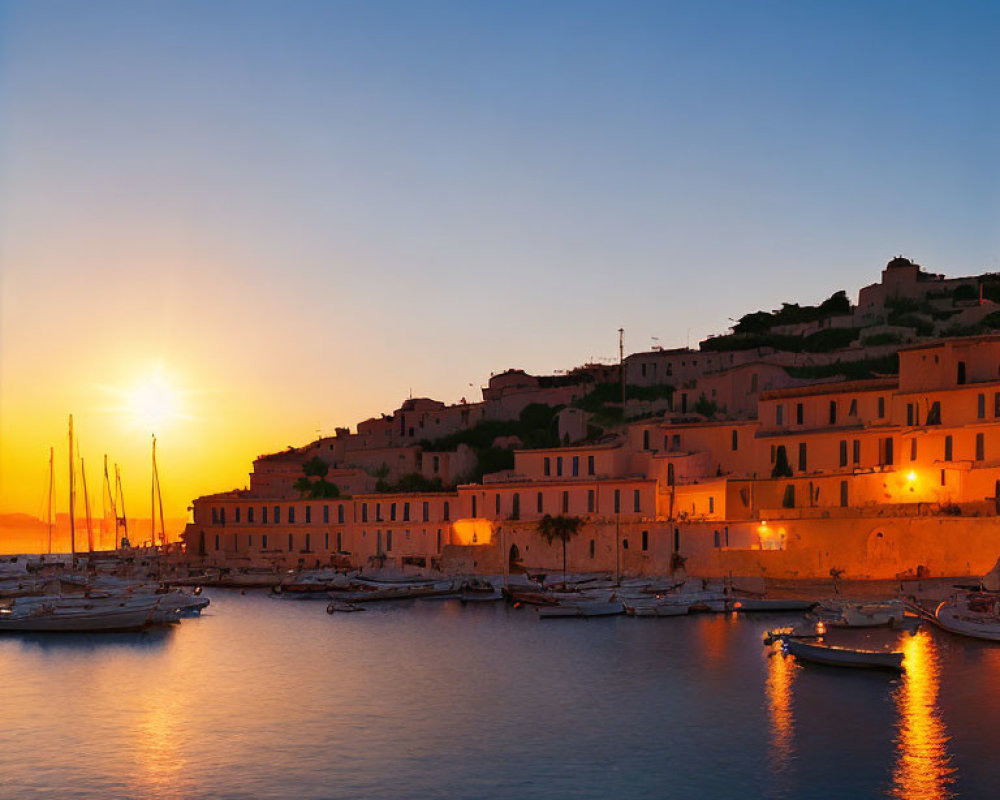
x,y
844,656
653,608
366,594
746,604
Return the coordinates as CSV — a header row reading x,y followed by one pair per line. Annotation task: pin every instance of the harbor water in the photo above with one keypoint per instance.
x,y
267,698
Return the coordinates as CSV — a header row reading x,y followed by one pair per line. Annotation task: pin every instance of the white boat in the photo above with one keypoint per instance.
x,y
582,609
172,606
397,591
477,590
844,656
974,614
867,615
76,615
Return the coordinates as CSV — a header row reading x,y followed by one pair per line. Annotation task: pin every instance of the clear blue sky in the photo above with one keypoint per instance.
x,y
340,201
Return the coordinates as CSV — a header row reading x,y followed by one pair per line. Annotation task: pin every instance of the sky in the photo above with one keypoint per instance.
x,y
235,224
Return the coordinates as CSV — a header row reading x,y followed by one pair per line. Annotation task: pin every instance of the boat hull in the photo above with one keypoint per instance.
x,y
844,656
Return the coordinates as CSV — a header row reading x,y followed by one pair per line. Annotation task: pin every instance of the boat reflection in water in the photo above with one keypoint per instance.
x,y
780,677
923,766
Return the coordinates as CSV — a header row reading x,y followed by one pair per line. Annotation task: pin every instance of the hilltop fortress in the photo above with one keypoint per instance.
x,y
860,439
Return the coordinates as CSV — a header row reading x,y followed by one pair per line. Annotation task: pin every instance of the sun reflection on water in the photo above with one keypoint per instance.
x,y
780,676
923,766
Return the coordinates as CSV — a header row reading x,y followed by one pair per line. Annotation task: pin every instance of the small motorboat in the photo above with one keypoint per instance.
x,y
654,607
342,606
833,655
477,590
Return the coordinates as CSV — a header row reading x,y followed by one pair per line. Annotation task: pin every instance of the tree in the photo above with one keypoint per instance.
x,y
560,528
316,467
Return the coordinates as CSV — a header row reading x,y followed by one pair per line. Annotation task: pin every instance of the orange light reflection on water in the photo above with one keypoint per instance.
x,y
780,677
923,766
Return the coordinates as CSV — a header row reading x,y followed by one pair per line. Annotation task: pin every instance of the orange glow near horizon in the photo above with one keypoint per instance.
x,y
923,766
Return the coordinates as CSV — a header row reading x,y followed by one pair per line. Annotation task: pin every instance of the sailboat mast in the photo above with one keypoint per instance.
x,y
152,497
123,520
107,495
159,496
86,504
52,481
72,496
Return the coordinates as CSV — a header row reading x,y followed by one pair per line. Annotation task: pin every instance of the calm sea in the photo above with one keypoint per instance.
x,y
264,698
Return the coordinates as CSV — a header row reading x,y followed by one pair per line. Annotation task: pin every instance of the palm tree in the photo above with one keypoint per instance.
x,y
561,528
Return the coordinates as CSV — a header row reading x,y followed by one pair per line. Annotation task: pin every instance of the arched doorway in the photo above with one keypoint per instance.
x,y
514,559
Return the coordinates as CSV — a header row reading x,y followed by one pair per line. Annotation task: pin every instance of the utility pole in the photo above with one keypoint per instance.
x,y
621,365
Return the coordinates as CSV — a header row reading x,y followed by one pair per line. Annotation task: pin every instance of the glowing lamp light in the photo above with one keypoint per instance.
x,y
820,627
911,476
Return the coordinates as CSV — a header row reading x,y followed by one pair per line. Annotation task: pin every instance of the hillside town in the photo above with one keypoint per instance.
x,y
856,439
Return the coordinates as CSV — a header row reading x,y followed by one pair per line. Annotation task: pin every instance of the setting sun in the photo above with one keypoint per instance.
x,y
151,403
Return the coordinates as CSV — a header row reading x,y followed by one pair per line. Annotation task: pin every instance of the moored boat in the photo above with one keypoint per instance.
x,y
581,609
837,656
76,615
975,614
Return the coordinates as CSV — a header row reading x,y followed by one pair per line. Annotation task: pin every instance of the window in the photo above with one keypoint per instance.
x,y
591,548
565,502
779,415
388,541
497,502
645,440
249,513
426,511
833,412
291,540
378,512
636,501
736,439
340,542
216,541
909,413
645,540
675,441
308,543
980,447
716,541
856,451
237,512
547,466
885,452
439,540
277,515
981,406
961,373
263,514
559,466
948,448
447,512
515,510
215,516
843,453
263,541
406,512
590,501
618,500
576,464
711,505
291,514
474,505
913,449
799,413
853,411
590,459
364,512
392,512
802,457
934,415
326,513
843,494
671,479
539,503
436,464
881,407
326,541
677,540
